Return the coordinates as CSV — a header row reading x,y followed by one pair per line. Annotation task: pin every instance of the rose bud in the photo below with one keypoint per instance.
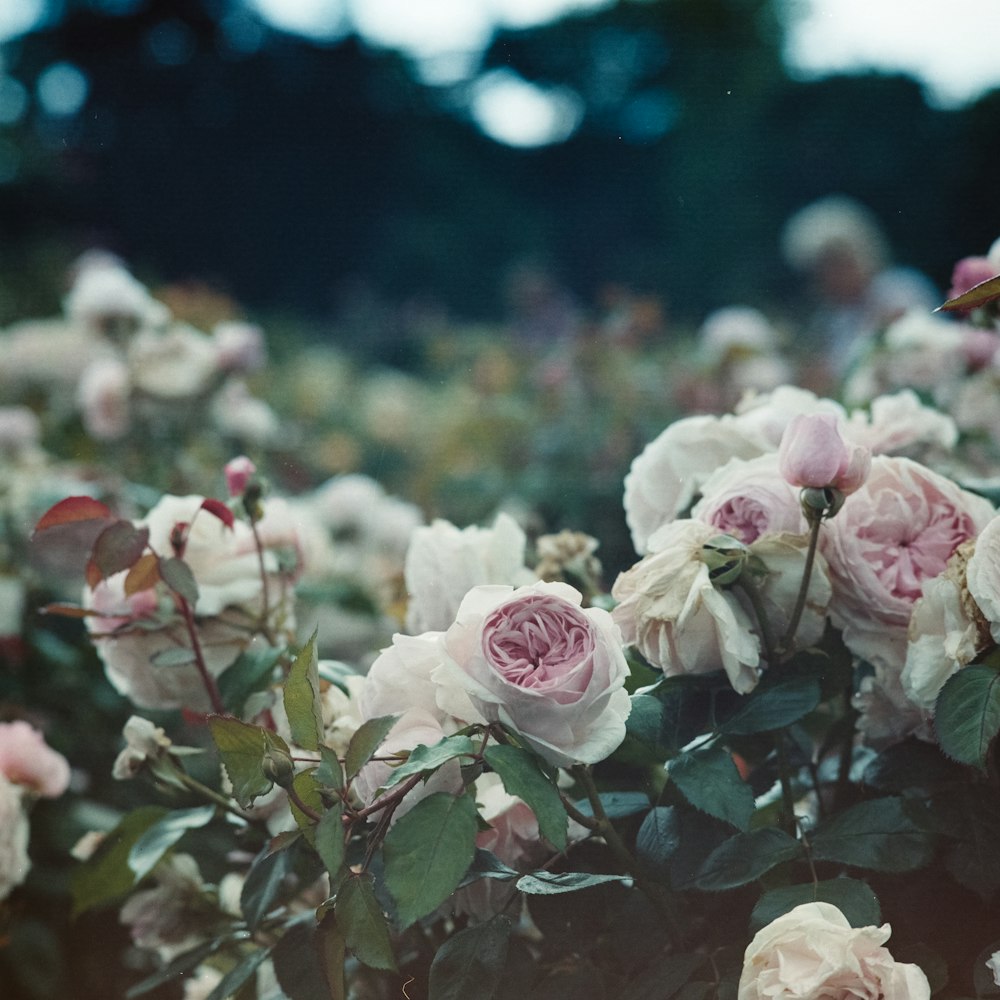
x,y
813,455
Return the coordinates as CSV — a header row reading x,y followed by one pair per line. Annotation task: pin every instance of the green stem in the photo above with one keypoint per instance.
x,y
621,852
207,679
815,520
749,587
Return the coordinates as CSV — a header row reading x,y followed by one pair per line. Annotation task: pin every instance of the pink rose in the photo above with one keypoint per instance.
x,y
813,952
814,454
747,499
26,759
896,532
969,272
536,661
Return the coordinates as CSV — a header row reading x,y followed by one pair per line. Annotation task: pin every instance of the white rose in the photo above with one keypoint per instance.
x,y
679,620
983,575
535,660
667,475
103,398
14,861
812,953
900,423
174,364
749,498
945,633
129,632
443,563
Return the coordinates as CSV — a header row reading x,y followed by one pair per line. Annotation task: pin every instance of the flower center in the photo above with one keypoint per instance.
x,y
540,642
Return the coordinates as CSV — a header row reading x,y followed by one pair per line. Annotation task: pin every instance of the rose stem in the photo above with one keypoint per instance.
x,y
199,658
606,829
815,520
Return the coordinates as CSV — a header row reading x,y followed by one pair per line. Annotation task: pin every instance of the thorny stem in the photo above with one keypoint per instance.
x,y
265,611
578,817
302,806
621,852
209,793
815,520
199,657
392,799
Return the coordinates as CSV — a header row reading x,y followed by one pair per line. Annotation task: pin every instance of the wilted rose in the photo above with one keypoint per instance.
x,y
535,660
813,953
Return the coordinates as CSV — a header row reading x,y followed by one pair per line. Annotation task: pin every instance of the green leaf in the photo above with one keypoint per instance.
x,y
657,840
429,758
617,805
468,966
106,876
773,706
158,839
329,772
239,974
366,741
709,780
745,857
302,698
329,842
851,896
242,748
485,864
548,884
427,852
185,962
251,671
177,575
263,884
521,776
664,978
967,714
298,965
878,834
309,791
364,925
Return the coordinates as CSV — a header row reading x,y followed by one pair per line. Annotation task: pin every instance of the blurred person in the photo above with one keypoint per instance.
x,y
841,247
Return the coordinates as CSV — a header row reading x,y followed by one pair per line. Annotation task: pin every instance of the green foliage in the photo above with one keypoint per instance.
x,y
746,857
879,834
425,760
366,741
106,876
709,780
329,842
302,698
556,883
521,776
264,884
178,577
967,714
427,852
243,748
363,924
251,671
773,706
852,897
468,966
154,843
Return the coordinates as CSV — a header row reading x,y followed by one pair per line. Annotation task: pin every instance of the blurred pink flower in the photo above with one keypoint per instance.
x,y
26,759
969,272
239,471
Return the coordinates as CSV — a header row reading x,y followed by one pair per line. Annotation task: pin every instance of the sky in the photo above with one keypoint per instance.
x,y
951,49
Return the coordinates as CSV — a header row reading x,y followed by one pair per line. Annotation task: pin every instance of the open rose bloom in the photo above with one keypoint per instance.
x,y
535,660
813,953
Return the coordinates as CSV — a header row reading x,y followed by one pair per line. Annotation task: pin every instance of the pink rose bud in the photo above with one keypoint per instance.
x,y
239,472
813,454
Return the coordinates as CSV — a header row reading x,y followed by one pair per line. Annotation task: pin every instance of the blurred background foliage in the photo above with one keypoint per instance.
x,y
320,177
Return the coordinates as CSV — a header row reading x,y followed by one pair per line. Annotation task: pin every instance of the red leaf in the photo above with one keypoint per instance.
x,y
68,611
220,510
74,509
93,574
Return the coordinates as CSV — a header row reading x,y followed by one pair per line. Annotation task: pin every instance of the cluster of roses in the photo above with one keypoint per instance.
x,y
757,530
